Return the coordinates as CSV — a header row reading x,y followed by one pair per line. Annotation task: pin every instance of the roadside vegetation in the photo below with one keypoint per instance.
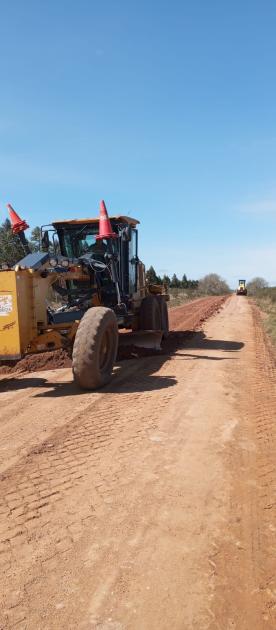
x,y
265,298
174,282
256,285
185,290
267,303
181,290
11,249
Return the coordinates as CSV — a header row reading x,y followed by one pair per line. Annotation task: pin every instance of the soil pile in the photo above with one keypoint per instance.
x,y
37,362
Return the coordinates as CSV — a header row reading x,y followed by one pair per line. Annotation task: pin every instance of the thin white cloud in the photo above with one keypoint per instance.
x,y
260,207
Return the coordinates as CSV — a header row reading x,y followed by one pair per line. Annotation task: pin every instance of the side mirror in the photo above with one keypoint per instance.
x,y
45,241
126,234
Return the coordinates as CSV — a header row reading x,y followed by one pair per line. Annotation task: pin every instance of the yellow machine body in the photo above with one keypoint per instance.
x,y
23,314
24,295
16,323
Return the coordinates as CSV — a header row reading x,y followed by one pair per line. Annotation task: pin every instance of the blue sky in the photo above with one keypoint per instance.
x,y
167,110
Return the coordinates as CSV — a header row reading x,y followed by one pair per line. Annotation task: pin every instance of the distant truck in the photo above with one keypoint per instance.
x,y
242,288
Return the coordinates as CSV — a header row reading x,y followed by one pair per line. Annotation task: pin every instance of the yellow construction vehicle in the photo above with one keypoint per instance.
x,y
241,290
93,266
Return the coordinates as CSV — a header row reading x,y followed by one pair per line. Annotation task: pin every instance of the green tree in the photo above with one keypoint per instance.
x,y
192,284
35,239
175,282
184,282
166,280
151,276
11,249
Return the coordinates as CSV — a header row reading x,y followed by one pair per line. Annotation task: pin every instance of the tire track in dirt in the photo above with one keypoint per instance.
x,y
264,406
20,393
164,480
37,491
244,562
41,512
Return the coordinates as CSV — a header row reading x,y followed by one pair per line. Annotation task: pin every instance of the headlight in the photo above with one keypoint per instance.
x,y
53,262
64,262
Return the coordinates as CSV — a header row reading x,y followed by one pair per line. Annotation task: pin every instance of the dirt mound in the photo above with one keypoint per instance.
x,y
191,315
184,320
37,362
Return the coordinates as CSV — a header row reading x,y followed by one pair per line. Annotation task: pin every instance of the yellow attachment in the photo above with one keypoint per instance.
x,y
50,340
23,312
24,324
16,325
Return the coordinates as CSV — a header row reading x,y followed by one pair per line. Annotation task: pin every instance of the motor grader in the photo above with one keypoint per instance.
x,y
242,290
92,265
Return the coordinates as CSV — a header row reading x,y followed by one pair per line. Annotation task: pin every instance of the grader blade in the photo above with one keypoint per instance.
x,y
142,339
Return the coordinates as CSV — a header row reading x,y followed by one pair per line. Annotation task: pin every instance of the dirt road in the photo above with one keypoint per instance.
x,y
148,505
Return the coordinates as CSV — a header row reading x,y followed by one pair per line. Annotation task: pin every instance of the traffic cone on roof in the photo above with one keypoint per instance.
x,y
105,229
18,225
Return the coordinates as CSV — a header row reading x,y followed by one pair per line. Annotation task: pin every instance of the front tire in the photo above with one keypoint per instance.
x,y
95,348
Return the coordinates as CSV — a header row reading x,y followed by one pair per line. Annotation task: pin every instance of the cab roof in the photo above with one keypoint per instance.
x,y
117,219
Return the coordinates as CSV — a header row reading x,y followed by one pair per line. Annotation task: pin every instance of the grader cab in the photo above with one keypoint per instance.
x,y
92,265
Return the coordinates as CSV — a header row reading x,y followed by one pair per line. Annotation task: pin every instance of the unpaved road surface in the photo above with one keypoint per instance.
x,y
149,505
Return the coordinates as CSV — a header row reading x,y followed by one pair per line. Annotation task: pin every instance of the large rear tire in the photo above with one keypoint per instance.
x,y
150,314
95,348
164,315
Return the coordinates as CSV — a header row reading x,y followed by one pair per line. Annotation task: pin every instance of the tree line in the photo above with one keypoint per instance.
x,y
211,284
11,249
174,282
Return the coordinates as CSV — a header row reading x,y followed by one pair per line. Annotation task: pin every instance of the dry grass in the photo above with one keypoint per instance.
x,y
266,300
180,296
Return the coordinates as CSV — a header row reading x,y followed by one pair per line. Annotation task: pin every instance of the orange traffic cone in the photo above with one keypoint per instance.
x,y
105,229
18,225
